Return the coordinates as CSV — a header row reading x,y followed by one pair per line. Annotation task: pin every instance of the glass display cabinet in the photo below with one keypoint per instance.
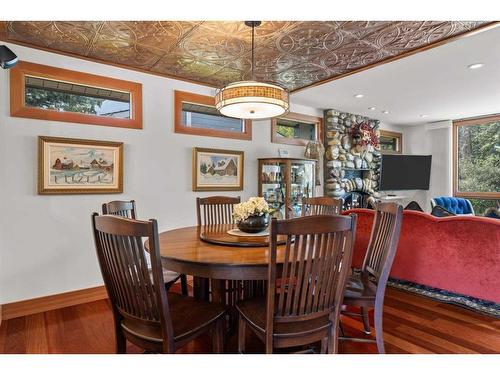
x,y
283,182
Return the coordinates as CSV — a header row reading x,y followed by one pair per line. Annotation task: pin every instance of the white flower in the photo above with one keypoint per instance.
x,y
252,207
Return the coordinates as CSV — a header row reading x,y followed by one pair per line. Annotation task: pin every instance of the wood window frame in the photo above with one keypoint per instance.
x,y
183,97
399,142
297,117
19,109
469,194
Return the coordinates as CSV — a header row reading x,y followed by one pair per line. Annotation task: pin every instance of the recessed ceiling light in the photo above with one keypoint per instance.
x,y
424,116
386,112
475,66
372,108
358,96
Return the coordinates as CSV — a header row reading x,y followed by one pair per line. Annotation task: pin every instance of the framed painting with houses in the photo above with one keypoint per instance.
x,y
217,170
79,166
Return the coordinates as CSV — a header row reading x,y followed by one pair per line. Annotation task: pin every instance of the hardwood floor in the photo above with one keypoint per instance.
x,y
412,324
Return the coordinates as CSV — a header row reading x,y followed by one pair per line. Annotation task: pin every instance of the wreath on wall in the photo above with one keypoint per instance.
x,y
365,136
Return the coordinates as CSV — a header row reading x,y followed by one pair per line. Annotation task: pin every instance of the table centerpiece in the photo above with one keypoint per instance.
x,y
252,216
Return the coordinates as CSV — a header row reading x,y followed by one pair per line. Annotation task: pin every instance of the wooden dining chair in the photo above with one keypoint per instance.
x,y
313,267
321,206
367,289
144,313
215,210
127,209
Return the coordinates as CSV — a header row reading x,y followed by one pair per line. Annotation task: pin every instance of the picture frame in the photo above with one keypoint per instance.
x,y
391,142
79,166
217,170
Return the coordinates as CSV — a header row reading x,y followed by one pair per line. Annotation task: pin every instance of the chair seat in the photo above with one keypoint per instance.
x,y
359,288
188,316
254,312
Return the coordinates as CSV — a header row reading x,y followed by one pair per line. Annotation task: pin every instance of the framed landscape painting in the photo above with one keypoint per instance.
x,y
217,170
79,166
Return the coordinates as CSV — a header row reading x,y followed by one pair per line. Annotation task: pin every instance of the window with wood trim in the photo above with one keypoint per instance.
x,y
296,129
49,93
476,158
391,142
196,114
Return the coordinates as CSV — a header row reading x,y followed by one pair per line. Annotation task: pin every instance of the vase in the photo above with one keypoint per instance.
x,y
254,224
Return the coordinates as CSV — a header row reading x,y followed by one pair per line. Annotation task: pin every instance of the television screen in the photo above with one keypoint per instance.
x,y
405,172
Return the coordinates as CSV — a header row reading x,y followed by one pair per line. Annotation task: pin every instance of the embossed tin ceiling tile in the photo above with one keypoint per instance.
x,y
74,37
156,35
297,77
355,55
306,41
179,65
406,36
214,47
360,29
293,54
120,52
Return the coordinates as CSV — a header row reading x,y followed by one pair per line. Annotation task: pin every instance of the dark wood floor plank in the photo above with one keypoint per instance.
x,y
412,324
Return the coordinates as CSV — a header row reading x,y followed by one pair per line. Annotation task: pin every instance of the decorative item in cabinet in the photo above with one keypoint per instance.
x,y
283,182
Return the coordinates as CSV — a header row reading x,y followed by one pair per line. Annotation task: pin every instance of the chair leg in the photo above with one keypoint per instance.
x,y
366,320
121,341
379,333
218,336
333,338
324,345
241,335
341,328
184,285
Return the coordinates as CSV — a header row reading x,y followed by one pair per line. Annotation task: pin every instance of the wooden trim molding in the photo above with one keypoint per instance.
x,y
399,141
56,301
318,121
466,122
183,97
17,96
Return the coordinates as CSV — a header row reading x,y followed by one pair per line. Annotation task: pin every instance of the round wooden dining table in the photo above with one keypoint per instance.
x,y
209,252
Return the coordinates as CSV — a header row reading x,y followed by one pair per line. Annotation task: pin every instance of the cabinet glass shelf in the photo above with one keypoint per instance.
x,y
284,182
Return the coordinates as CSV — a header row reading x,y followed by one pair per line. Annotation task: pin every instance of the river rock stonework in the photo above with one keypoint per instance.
x,y
348,166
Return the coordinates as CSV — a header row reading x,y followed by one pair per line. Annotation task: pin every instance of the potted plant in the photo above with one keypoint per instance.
x,y
252,216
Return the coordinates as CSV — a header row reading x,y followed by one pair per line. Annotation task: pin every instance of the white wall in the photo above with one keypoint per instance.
x,y
46,244
431,139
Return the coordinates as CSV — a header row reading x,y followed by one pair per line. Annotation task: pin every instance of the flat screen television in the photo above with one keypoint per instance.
x,y
405,172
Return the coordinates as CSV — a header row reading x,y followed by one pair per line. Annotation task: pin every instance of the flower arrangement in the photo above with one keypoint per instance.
x,y
255,206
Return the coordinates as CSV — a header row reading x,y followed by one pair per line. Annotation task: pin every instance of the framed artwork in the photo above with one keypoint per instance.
x,y
217,170
79,166
391,142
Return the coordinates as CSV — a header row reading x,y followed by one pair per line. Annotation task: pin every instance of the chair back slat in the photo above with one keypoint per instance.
x,y
215,210
135,292
316,260
383,241
321,206
120,208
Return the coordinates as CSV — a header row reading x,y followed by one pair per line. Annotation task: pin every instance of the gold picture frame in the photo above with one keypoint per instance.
x,y
394,141
79,166
217,170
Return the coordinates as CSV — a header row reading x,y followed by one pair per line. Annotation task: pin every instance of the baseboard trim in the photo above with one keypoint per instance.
x,y
47,303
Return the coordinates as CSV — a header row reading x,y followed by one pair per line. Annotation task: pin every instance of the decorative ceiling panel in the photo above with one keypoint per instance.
x,y
289,53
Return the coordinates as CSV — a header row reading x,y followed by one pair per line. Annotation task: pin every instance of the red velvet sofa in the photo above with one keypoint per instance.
x,y
460,254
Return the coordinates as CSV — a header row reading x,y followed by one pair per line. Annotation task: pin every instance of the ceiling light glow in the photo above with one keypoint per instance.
x,y
475,66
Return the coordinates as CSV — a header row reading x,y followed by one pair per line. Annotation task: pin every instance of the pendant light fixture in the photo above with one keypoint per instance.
x,y
252,99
